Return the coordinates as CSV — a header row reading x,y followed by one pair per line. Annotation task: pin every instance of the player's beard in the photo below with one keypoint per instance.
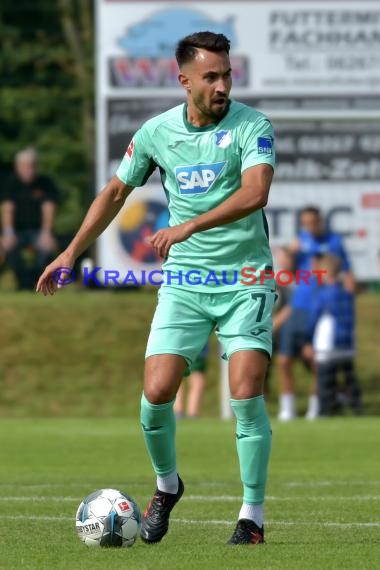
x,y
211,111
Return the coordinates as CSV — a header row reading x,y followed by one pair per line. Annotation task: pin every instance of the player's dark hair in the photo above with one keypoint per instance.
x,y
187,47
311,210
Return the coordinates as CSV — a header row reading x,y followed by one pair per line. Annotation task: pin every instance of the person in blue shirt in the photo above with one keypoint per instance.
x,y
332,339
314,239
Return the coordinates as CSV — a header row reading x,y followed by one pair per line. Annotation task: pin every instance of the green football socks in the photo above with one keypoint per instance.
x,y
253,441
159,427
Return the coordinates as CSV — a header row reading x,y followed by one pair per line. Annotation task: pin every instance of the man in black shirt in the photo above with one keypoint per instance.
x,y
28,208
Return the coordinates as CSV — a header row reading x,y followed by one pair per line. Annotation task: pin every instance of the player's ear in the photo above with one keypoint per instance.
x,y
184,81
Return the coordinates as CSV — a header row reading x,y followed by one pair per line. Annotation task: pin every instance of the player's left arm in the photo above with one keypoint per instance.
x,y
349,281
46,239
251,196
316,311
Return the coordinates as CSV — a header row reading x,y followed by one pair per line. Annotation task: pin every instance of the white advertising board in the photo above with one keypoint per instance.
x,y
313,67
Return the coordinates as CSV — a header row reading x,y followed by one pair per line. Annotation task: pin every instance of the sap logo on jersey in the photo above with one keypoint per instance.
x,y
198,179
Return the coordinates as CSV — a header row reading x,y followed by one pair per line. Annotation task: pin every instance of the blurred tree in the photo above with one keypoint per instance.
x,y
47,92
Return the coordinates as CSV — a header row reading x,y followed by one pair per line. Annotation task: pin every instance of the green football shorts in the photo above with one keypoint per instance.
x,y
184,320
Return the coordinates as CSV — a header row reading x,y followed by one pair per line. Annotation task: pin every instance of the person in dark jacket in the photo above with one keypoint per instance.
x,y
28,210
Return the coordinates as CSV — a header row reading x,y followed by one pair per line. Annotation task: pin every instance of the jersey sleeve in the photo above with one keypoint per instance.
x,y
137,164
257,144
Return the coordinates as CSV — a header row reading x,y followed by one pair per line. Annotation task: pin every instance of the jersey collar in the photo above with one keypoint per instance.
x,y
193,129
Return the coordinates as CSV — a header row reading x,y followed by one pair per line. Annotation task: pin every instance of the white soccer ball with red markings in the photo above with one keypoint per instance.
x,y
108,518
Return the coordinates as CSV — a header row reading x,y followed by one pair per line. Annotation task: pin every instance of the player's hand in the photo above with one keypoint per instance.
x,y
50,279
2,254
308,352
46,241
164,239
9,241
294,246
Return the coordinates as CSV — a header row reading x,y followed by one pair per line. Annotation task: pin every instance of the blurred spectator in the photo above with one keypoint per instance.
x,y
313,239
195,388
29,202
332,332
283,261
2,257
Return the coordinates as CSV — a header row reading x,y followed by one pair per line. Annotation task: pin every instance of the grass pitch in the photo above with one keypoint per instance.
x,y
81,354
322,509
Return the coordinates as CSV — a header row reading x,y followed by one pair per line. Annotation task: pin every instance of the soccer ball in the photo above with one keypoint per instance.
x,y
108,518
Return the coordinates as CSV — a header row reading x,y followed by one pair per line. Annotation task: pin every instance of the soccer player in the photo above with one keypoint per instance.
x,y
313,240
216,159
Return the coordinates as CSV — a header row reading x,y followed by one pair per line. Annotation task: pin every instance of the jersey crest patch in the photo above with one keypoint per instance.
x,y
199,178
223,139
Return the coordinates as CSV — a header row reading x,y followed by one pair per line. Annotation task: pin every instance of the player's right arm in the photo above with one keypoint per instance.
x,y
294,246
7,222
8,212
100,214
316,311
281,317
349,280
134,170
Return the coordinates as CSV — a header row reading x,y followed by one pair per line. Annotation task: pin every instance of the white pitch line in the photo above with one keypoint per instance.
x,y
283,523
349,482
73,485
41,499
36,518
44,518
212,498
213,484
201,498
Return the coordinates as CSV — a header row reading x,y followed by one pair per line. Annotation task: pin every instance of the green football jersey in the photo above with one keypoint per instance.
x,y
200,167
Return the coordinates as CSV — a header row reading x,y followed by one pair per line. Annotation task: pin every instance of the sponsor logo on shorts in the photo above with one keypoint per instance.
x,y
258,332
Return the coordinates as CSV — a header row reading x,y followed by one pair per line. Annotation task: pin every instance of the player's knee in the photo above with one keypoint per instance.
x,y
159,388
162,377
157,394
249,387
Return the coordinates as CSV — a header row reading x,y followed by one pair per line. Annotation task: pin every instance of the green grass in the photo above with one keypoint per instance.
x,y
322,509
81,353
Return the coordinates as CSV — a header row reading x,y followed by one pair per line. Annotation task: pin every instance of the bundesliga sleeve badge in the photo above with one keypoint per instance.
x,y
265,145
130,149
